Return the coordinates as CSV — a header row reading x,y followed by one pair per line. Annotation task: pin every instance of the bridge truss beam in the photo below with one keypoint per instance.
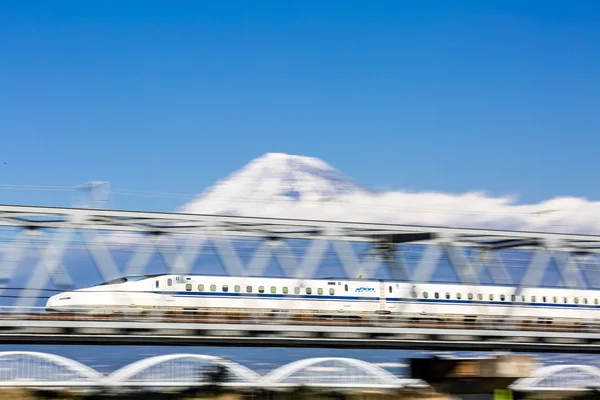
x,y
180,238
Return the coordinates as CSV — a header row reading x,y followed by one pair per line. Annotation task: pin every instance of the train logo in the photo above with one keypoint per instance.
x,y
365,289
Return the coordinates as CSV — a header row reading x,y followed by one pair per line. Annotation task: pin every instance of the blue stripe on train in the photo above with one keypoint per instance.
x,y
374,299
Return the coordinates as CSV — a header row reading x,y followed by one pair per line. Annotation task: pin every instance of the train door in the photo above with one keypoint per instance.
x,y
157,289
169,289
346,304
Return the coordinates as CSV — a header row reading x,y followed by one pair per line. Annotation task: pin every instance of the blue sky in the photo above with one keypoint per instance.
x,y
421,95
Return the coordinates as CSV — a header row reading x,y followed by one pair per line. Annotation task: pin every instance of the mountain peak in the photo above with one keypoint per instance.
x,y
275,177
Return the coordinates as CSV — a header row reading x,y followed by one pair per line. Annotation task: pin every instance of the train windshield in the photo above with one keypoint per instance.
x,y
124,279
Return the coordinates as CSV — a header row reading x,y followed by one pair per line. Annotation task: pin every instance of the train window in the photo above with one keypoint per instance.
x,y
248,289
585,300
156,284
523,299
170,282
502,298
458,296
595,301
425,295
576,299
544,299
346,288
213,288
285,290
225,288
555,299
390,289
273,289
201,287
479,296
308,290
491,297
331,291
188,287
447,295
533,299
319,291
437,295
513,297
565,300
297,290
261,289
470,296
236,288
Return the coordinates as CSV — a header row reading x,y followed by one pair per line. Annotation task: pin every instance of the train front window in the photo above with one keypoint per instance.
x,y
114,281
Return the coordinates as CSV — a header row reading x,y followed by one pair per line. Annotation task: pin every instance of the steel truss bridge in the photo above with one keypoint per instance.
x,y
38,241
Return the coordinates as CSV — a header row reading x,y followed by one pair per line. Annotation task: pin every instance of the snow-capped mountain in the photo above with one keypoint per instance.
x,y
291,186
275,178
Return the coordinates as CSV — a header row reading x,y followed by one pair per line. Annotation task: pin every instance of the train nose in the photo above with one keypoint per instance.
x,y
58,302
51,303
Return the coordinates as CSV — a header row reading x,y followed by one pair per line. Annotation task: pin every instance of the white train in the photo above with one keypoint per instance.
x,y
219,294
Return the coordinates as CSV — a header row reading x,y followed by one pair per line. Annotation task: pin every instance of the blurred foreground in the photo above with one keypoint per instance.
x,y
212,393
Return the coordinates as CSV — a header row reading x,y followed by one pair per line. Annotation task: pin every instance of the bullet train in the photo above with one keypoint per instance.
x,y
326,297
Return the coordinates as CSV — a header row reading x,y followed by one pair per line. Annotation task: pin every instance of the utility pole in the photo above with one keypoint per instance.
x,y
93,194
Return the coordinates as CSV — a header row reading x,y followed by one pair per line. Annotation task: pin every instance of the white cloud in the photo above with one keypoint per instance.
x,y
475,209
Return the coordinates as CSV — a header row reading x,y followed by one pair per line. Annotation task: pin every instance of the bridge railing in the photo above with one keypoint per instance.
x,y
399,320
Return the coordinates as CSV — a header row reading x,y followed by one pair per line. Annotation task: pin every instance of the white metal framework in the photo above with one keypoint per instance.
x,y
184,370
334,372
180,239
560,378
33,369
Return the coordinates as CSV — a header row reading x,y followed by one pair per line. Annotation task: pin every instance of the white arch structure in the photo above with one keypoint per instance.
x,y
31,369
566,378
179,370
333,372
36,369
